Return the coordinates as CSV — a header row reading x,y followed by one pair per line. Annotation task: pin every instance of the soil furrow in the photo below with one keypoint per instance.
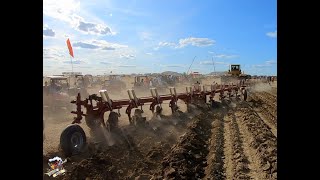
x,y
236,161
266,119
228,150
273,127
187,158
273,98
264,109
215,168
253,161
268,102
260,138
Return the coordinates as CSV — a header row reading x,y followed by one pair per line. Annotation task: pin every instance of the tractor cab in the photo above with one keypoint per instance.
x,y
234,70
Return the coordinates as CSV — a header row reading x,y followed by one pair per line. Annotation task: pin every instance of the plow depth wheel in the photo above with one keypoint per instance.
x,y
72,140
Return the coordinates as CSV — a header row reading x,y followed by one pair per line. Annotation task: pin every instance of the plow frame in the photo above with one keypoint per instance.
x,y
105,104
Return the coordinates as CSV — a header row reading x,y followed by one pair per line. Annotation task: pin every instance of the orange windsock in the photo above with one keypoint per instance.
x,y
70,48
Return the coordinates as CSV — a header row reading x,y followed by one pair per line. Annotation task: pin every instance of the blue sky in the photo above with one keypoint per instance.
x,y
155,36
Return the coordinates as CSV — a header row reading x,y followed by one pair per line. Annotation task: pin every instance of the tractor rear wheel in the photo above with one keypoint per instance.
x,y
72,140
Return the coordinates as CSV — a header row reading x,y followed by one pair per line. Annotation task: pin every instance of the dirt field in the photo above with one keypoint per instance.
x,y
235,140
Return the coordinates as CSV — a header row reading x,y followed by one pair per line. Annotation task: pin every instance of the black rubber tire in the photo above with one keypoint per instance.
x,y
66,140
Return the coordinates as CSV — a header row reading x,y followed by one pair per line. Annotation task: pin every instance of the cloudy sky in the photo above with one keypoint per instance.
x,y
131,36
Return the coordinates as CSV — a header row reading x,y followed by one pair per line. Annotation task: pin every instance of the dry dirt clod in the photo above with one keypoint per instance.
x,y
169,172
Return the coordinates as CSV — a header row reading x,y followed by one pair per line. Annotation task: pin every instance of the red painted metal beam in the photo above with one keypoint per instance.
x,y
103,107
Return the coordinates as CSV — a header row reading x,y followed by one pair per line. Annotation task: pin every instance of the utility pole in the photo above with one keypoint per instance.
x,y
191,64
214,68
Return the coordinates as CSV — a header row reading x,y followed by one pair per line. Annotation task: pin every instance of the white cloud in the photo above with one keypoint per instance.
x,y
145,36
106,63
93,28
54,53
108,48
98,44
172,65
68,11
271,62
84,67
261,65
213,62
74,62
267,64
272,34
200,42
48,32
225,56
127,56
127,66
168,44
191,41
85,45
149,53
61,9
210,52
110,14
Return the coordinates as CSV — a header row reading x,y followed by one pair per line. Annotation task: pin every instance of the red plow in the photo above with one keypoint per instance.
x,y
73,138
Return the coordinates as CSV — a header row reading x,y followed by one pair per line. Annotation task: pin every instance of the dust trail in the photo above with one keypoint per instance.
x,y
107,135
102,136
261,87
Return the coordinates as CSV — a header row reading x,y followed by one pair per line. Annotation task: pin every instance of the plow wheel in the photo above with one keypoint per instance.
x,y
137,118
72,140
93,121
113,121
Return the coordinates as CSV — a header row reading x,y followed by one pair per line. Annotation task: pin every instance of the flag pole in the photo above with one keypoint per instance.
x,y
71,64
71,69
